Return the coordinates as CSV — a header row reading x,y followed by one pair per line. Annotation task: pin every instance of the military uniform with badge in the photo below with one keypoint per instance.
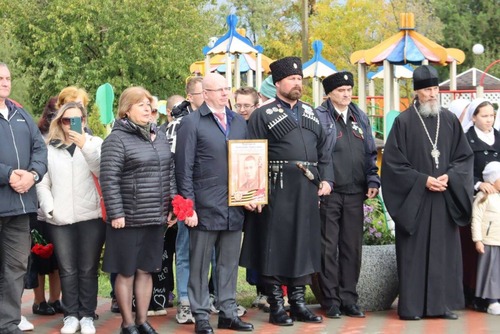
x,y
354,156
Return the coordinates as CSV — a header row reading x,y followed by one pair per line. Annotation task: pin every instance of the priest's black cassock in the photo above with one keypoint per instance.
x,y
427,236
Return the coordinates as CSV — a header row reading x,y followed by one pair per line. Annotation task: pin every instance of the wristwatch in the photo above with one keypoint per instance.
x,y
35,176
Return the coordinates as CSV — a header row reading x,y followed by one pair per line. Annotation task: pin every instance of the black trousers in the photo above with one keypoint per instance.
x,y
288,281
341,245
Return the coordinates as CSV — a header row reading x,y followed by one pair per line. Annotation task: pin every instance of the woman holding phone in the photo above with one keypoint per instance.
x,y
70,202
138,183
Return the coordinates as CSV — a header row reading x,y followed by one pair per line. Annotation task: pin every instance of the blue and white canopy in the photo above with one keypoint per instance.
x,y
232,41
317,66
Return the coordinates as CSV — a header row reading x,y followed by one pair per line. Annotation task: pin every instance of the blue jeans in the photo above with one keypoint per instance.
x,y
78,249
14,253
182,263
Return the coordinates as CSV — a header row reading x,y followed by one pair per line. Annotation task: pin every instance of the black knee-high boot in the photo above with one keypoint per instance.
x,y
277,314
298,308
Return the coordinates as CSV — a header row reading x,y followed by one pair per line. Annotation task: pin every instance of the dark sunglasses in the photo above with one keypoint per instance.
x,y
67,120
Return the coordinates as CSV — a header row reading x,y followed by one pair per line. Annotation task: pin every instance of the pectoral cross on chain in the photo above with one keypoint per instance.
x,y
435,154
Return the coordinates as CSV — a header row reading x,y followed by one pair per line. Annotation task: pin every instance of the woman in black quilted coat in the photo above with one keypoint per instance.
x,y
137,180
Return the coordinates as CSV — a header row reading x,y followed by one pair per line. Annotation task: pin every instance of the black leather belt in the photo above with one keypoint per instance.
x,y
293,162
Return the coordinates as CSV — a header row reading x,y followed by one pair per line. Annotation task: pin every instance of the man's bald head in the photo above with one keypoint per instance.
x,y
215,91
213,79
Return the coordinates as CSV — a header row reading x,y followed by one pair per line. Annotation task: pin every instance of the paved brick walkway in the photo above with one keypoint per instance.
x,y
385,322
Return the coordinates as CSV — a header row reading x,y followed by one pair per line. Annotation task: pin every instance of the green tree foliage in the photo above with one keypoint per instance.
x,y
343,26
276,25
348,26
20,81
427,22
468,22
90,42
253,15
94,123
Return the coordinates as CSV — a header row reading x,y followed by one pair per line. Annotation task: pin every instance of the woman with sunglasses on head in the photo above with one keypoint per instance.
x,y
73,94
71,204
137,178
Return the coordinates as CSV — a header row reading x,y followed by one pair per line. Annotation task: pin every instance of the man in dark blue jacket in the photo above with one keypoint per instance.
x,y
23,162
354,156
201,161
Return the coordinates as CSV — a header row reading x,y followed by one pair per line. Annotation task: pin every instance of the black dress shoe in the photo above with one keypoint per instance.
x,y
333,312
280,318
234,324
203,327
449,316
114,306
43,309
57,306
410,317
129,330
304,314
353,311
146,328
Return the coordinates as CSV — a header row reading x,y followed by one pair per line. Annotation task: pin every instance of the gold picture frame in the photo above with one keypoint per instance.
x,y
248,181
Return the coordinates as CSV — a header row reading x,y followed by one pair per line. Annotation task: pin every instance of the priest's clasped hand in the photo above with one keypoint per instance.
x,y
438,184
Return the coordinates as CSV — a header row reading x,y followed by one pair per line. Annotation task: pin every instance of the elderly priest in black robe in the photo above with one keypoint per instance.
x,y
428,186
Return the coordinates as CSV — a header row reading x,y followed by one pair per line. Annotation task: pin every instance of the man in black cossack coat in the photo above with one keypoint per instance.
x,y
283,243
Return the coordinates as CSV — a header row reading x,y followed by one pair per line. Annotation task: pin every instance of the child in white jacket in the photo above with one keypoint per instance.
x,y
486,236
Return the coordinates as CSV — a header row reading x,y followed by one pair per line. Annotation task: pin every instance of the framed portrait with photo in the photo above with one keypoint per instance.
x,y
248,180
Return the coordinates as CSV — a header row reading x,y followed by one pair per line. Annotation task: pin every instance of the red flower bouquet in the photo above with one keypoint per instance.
x,y
183,207
41,247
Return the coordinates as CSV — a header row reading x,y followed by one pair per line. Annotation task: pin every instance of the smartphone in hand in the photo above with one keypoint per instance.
x,y
75,124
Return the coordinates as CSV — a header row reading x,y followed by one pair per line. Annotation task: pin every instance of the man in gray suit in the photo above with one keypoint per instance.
x,y
202,175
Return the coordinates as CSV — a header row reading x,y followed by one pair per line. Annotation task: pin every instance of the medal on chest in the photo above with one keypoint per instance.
x,y
434,152
357,130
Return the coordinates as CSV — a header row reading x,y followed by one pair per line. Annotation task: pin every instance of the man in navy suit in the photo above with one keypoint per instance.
x,y
202,175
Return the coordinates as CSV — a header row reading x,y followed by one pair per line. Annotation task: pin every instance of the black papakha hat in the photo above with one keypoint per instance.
x,y
285,67
338,79
425,76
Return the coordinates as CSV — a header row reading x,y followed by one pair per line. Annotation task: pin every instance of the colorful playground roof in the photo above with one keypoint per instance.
x,y
408,47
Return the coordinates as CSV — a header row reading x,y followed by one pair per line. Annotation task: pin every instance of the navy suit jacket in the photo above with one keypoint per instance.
x,y
201,167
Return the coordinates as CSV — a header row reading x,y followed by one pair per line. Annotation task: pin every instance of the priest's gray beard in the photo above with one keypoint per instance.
x,y
429,108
